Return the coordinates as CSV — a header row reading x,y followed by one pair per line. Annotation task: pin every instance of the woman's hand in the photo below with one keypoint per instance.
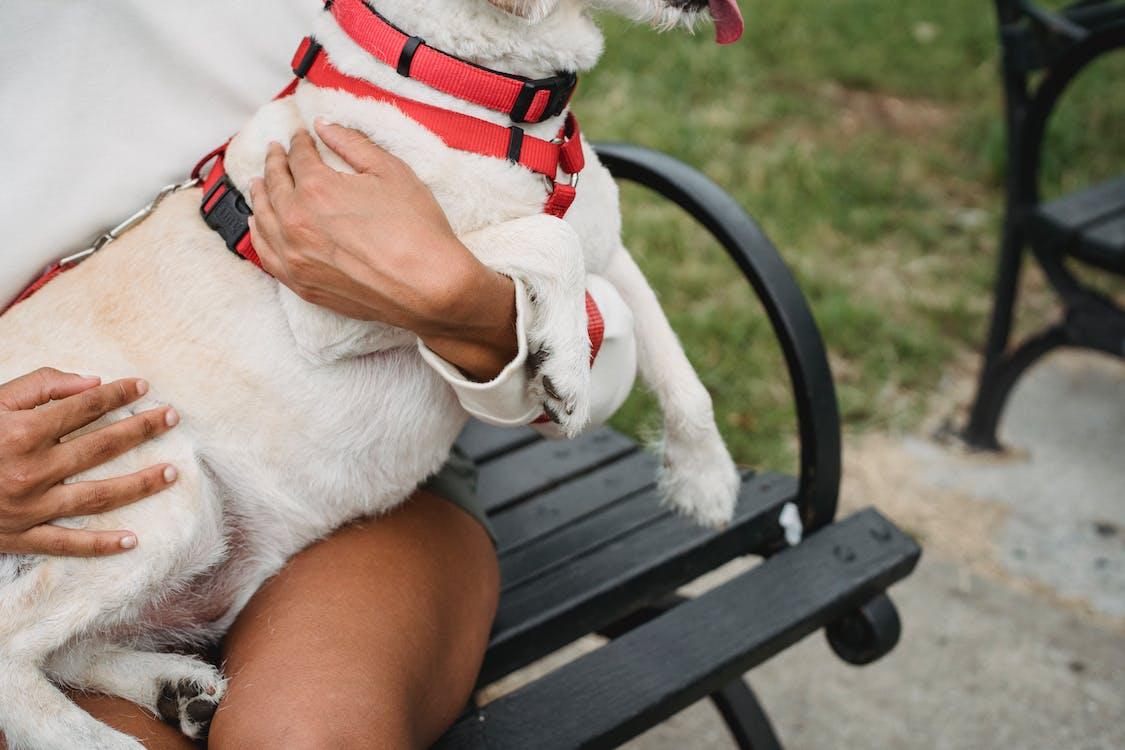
x,y
376,246
36,412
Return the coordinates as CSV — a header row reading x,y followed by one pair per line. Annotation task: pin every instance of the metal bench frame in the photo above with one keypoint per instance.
x,y
833,580
1062,45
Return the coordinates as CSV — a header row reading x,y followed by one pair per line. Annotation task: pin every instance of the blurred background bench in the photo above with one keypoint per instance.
x,y
1043,53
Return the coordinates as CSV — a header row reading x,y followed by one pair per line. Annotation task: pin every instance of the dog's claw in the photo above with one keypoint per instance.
x,y
549,387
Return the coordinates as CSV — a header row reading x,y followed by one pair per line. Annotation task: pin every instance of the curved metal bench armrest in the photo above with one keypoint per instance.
x,y
1031,136
811,379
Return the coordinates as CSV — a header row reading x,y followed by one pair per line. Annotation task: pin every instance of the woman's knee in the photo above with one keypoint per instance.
x,y
318,728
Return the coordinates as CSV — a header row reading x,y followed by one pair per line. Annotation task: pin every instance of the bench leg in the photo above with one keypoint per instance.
x,y
1005,292
997,382
745,717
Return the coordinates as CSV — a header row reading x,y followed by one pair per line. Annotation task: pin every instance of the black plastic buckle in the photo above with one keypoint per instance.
x,y
230,215
301,69
561,87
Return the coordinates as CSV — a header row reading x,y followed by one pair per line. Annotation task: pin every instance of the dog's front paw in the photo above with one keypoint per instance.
x,y
564,390
700,480
190,704
558,362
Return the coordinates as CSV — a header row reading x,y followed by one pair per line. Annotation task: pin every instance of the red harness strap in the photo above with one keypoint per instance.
x,y
456,130
523,99
48,275
225,209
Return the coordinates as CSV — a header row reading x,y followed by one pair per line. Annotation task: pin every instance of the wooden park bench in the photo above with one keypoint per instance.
x,y
585,547
1088,227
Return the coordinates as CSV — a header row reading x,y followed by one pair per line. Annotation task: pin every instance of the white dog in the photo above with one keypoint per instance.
x,y
296,420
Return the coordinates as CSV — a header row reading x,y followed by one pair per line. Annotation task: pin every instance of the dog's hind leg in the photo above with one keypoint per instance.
x,y
61,603
698,477
27,697
183,690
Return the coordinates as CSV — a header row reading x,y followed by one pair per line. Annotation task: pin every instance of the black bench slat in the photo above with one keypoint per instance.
x,y
482,442
547,611
650,673
1104,244
1087,224
518,474
616,518
1086,206
523,524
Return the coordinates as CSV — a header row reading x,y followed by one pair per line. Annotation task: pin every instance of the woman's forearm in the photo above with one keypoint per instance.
x,y
480,338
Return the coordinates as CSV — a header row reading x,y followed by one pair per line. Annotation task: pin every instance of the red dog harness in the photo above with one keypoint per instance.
x,y
225,209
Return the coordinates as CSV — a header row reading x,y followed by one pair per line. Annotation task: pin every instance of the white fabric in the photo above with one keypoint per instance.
x,y
506,401
103,103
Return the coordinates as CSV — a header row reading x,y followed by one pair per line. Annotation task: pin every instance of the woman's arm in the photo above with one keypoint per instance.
x,y
376,246
36,412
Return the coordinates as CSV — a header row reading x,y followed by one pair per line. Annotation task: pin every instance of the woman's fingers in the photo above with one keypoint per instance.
x,y
279,181
354,147
43,386
59,542
90,498
304,160
265,228
98,447
77,411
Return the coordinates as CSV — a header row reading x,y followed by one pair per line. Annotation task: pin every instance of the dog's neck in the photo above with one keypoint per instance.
x,y
481,33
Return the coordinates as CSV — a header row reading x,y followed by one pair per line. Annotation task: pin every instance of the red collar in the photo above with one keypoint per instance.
x,y
522,99
225,209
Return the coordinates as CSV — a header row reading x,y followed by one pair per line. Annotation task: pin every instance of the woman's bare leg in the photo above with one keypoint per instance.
x,y
373,638
370,638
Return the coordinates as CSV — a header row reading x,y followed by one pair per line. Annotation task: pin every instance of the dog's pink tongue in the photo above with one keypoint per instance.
x,y
728,20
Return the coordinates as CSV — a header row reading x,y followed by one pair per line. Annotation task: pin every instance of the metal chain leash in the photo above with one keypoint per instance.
x,y
72,260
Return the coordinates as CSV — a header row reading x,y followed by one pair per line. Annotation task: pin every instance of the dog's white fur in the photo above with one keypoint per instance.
x,y
296,420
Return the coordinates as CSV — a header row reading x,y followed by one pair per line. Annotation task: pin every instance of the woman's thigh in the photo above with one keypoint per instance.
x,y
370,638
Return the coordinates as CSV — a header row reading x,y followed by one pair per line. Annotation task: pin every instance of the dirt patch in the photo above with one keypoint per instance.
x,y
864,110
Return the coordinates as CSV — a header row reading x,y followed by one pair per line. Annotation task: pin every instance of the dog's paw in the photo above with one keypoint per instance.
x,y
190,703
559,359
565,392
700,481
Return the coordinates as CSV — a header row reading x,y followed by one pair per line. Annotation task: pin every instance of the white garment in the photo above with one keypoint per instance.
x,y
103,103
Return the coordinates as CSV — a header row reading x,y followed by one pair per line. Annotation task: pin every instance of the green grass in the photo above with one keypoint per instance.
x,y
866,138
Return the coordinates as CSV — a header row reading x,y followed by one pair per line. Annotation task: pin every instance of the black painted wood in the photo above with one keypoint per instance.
x,y
1089,224
482,442
644,563
521,473
650,673
524,524
1104,244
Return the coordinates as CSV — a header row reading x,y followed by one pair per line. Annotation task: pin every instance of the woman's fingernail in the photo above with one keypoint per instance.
x,y
142,387
170,474
128,542
172,418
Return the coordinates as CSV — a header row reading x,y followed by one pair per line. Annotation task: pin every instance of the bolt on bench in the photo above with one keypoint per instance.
x,y
1087,226
586,548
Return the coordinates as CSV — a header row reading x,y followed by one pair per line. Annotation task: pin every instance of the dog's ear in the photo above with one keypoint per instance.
x,y
529,10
